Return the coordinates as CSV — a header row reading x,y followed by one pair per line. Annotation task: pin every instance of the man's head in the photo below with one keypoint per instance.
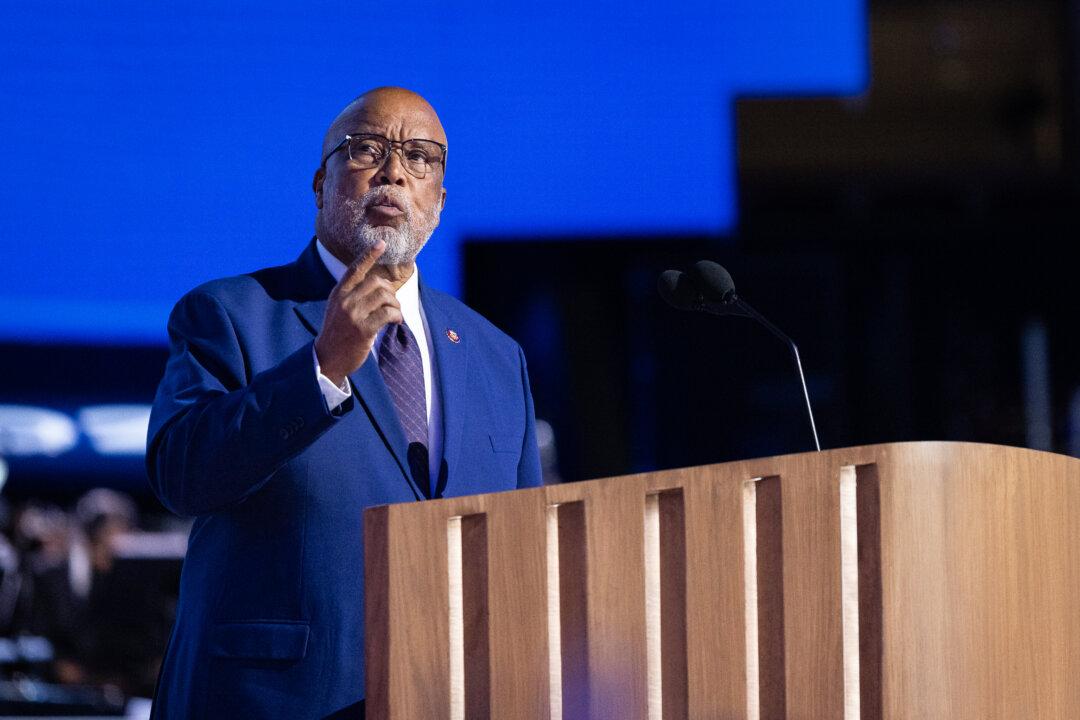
x,y
363,196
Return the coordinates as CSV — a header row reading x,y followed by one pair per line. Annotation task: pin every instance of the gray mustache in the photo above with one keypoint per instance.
x,y
374,196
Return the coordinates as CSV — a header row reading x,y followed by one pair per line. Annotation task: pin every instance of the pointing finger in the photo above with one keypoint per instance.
x,y
361,266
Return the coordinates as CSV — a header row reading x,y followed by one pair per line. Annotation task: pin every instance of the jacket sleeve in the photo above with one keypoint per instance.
x,y
529,470
216,435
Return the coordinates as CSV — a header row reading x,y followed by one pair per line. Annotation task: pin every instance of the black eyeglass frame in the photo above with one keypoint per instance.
x,y
392,143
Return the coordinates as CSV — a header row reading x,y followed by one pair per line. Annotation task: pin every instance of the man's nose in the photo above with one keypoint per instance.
x,y
392,172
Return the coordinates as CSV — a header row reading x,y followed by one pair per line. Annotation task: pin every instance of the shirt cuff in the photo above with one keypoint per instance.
x,y
332,394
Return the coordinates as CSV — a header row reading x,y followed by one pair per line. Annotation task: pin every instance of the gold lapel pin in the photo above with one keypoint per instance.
x,y
454,337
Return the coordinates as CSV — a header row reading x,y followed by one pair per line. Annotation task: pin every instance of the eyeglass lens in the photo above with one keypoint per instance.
x,y
419,156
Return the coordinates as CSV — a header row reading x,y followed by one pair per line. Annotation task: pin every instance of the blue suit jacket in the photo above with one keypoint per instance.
x,y
270,621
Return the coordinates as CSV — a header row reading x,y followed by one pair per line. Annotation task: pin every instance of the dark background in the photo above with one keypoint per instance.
x,y
916,242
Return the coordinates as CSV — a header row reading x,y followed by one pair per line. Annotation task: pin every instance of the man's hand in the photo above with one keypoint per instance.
x,y
359,305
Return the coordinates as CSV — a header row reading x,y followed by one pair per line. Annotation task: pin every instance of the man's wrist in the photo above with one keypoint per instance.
x,y
333,392
339,379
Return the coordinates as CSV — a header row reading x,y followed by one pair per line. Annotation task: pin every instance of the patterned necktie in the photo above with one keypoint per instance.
x,y
403,371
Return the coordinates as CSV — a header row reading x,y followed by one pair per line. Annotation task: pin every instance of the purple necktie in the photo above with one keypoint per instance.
x,y
403,371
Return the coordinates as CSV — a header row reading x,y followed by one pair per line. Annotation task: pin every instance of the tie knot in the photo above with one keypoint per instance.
x,y
397,339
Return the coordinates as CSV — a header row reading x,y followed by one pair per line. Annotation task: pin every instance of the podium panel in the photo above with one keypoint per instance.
x,y
912,580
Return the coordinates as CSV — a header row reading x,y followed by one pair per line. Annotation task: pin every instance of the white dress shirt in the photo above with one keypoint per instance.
x,y
408,296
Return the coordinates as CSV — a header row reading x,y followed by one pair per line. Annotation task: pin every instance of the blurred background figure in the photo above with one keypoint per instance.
x,y
125,619
50,602
86,604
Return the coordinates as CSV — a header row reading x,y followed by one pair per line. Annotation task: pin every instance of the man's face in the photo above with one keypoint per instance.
x,y
358,206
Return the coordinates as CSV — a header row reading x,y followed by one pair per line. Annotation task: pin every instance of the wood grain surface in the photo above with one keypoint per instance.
x,y
967,592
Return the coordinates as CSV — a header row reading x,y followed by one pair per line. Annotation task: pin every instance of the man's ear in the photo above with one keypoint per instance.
x,y
317,184
442,199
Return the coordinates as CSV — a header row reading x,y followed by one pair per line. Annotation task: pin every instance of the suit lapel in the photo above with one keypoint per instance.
x,y
368,383
451,365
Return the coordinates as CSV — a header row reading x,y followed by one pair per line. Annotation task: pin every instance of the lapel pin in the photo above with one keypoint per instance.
x,y
454,337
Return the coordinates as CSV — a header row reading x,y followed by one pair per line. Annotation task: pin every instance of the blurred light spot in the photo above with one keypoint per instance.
x,y
545,435
34,649
116,429
26,430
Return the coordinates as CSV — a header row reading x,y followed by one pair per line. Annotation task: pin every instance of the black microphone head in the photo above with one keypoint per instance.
x,y
678,290
715,282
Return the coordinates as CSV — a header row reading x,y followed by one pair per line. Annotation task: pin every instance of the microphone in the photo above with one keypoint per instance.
x,y
679,290
708,287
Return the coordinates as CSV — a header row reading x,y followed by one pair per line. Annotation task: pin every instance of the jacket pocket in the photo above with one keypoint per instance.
x,y
260,640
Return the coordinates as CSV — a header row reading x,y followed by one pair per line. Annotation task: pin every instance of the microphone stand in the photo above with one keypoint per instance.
x,y
732,304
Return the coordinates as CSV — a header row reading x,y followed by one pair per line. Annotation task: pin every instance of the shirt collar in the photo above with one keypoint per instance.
x,y
334,266
408,295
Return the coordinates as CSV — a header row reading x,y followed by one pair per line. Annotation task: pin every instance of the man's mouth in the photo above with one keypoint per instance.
x,y
385,202
385,206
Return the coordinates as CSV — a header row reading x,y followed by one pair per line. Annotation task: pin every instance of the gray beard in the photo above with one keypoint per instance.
x,y
347,226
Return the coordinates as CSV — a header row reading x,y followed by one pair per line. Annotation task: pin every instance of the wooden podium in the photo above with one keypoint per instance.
x,y
934,581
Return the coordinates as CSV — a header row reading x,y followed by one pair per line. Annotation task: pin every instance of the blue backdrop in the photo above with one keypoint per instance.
x,y
148,147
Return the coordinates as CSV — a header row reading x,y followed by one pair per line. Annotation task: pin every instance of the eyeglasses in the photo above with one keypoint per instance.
x,y
367,151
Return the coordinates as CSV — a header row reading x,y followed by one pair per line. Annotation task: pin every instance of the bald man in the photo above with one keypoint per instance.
x,y
296,396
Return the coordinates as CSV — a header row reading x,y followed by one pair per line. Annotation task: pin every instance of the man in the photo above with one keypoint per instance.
x,y
296,396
